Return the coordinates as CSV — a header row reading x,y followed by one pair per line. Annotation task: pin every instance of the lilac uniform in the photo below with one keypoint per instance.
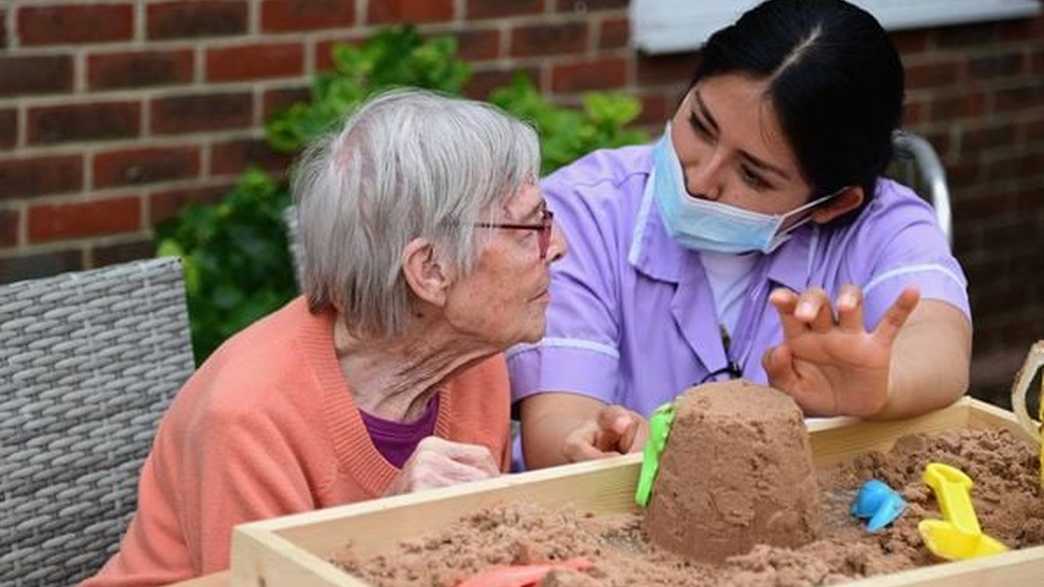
x,y
632,320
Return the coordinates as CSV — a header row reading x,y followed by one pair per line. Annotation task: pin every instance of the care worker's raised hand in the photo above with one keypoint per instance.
x,y
440,463
835,367
615,430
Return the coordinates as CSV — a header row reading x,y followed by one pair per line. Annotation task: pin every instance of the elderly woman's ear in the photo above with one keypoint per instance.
x,y
427,277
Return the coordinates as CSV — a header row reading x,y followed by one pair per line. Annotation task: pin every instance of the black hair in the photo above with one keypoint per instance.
x,y
834,78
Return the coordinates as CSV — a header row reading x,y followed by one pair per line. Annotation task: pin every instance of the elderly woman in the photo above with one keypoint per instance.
x,y
428,245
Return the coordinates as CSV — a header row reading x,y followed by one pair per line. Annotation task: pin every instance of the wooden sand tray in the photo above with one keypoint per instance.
x,y
293,550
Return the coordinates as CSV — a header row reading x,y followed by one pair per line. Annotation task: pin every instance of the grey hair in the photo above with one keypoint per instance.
x,y
407,164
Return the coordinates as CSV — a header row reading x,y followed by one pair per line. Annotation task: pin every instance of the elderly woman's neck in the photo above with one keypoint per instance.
x,y
395,378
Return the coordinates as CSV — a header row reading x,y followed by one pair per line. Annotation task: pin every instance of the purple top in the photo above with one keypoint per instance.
x,y
632,319
397,441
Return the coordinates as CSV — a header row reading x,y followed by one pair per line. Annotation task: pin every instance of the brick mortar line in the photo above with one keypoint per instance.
x,y
310,47
505,39
258,115
47,3
670,90
992,156
87,255
152,92
206,146
541,18
962,54
14,41
1016,184
361,8
146,211
146,190
959,89
594,36
23,224
159,45
66,48
108,97
992,120
991,188
9,22
154,142
114,238
996,119
225,87
59,246
502,63
632,70
79,60
253,17
513,21
146,119
22,119
145,96
140,23
199,66
88,174
965,85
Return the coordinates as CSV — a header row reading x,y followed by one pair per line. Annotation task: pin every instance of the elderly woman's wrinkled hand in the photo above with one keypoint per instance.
x,y
835,367
614,431
440,463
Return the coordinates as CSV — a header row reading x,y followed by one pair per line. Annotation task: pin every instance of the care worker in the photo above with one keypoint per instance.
x,y
756,238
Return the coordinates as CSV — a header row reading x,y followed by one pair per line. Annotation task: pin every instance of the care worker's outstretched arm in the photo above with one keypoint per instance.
x,y
560,428
916,359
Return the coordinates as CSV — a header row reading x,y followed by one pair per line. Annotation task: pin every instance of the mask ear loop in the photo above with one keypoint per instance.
x,y
810,208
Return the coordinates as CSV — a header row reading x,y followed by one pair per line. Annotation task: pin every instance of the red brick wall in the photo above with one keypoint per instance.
x,y
114,113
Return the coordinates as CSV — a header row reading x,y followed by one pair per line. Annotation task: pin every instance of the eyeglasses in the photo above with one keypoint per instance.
x,y
544,237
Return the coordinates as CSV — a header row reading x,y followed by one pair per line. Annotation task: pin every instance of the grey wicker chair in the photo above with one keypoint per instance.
x,y
89,361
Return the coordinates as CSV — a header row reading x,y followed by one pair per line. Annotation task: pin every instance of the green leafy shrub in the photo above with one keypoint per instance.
x,y
394,57
235,257
237,264
567,134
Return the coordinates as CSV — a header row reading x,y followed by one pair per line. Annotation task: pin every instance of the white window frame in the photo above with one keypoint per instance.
x,y
667,26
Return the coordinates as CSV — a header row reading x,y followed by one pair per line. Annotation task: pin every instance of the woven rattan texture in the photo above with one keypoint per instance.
x,y
88,363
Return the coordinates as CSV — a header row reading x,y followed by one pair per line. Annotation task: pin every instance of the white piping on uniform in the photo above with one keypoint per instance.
x,y
643,217
913,269
575,343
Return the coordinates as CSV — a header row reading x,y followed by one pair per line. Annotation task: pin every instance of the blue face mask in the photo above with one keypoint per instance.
x,y
704,225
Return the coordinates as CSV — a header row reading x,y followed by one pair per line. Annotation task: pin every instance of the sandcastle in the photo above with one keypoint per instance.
x,y
737,471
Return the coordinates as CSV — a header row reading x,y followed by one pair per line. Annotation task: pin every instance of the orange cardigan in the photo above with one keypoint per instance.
x,y
267,427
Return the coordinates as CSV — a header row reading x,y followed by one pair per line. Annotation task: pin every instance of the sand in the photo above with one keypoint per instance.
x,y
1007,497
737,471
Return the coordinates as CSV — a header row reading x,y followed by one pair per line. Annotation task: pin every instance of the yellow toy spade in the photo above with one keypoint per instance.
x,y
958,535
